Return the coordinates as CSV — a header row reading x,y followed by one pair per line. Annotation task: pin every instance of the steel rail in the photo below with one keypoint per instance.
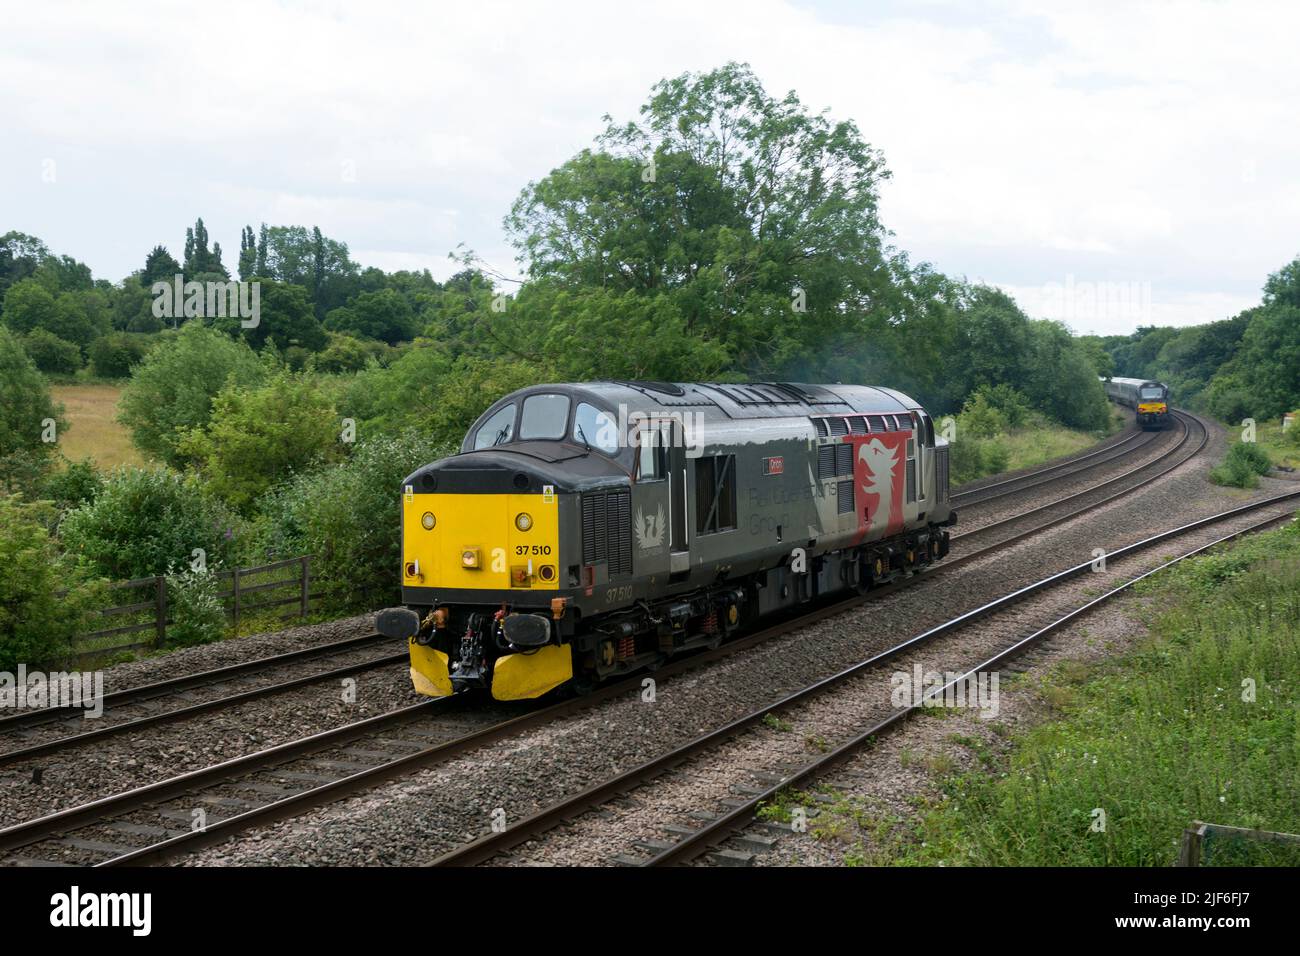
x,y
491,845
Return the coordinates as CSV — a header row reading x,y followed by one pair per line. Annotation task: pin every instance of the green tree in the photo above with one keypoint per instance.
x,y
383,315
20,257
172,389
755,217
200,261
286,319
247,254
159,266
259,437
115,354
148,521
26,413
343,354
52,354
345,516
38,622
301,256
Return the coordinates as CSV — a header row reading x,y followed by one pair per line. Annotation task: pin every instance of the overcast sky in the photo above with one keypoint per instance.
x,y
1110,166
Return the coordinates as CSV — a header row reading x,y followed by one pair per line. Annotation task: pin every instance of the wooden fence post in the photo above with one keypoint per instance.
x,y
305,579
235,580
160,610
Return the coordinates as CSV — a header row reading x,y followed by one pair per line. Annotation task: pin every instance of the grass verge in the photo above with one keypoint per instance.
x,y
1200,723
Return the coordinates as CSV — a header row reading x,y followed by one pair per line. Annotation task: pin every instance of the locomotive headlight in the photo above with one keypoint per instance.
x,y
523,521
427,521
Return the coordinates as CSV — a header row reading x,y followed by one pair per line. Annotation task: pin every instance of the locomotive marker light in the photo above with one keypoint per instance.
x,y
427,521
469,558
523,521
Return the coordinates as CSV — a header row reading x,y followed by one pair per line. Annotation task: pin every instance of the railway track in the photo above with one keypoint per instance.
x,y
284,781
741,814
984,490
27,735
1192,439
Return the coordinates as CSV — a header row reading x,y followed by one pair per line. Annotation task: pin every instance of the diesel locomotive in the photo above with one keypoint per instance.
x,y
589,530
1149,399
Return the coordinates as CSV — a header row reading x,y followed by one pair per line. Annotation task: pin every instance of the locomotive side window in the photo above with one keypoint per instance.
x,y
715,494
593,428
652,466
497,430
546,417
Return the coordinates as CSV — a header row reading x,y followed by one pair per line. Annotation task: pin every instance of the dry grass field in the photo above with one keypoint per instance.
x,y
93,431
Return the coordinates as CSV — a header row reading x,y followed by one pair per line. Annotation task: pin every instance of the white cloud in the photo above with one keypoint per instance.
x,y
1152,143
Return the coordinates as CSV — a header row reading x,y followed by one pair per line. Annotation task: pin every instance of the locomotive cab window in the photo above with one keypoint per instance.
x,y
651,466
497,430
1152,393
545,417
715,494
595,429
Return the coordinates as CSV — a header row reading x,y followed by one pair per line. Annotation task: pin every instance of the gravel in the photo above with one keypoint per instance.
x,y
413,820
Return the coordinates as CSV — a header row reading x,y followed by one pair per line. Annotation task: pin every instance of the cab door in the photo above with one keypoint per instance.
x,y
652,502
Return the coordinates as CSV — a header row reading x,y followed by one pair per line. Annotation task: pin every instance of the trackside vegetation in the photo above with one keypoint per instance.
x,y
722,233
1202,722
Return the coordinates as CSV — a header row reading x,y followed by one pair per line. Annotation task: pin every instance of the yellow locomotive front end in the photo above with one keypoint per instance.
x,y
487,563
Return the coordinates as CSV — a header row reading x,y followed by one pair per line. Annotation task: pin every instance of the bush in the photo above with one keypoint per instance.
x,y
197,614
347,516
172,389
37,626
971,458
260,437
25,407
51,354
115,354
144,521
1242,466
343,354
80,482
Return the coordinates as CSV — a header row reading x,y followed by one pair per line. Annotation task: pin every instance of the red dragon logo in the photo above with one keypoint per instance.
x,y
879,472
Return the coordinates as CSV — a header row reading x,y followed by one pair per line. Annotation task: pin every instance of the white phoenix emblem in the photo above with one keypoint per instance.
x,y
881,462
649,530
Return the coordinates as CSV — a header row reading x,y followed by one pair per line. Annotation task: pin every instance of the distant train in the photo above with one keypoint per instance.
x,y
1149,399
588,530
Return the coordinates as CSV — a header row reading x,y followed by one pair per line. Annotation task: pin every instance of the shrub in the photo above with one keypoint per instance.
x,y
78,483
197,614
347,516
1242,466
37,625
25,407
343,354
115,354
172,389
971,458
51,354
260,437
144,521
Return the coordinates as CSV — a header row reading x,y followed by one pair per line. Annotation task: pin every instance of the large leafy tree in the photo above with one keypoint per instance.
x,y
384,315
20,256
753,218
259,437
172,389
305,257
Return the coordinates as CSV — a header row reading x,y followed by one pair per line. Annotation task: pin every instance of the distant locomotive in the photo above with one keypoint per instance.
x,y
589,530
1149,399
